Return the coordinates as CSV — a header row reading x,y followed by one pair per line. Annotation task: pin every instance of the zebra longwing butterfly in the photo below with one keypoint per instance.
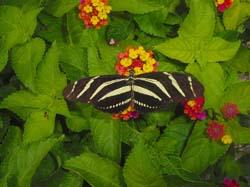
x,y
146,92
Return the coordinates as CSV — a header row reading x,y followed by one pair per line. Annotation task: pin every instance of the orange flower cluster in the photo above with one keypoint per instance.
x,y
94,13
140,61
126,114
137,59
193,108
222,5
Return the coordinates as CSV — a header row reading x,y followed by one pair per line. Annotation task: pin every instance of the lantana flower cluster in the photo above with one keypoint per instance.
x,y
222,5
216,130
140,61
193,108
137,59
94,13
126,114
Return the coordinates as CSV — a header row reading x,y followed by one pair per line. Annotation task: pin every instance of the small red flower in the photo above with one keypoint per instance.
x,y
222,5
230,110
193,108
215,130
230,183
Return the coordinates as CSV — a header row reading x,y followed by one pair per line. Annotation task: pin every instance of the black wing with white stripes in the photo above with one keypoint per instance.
x,y
109,93
146,92
153,91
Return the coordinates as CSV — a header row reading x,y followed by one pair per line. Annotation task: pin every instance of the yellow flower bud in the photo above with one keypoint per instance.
x,y
151,61
126,62
133,53
226,139
95,2
138,71
88,9
102,15
147,68
144,56
140,50
220,1
94,20
191,103
107,9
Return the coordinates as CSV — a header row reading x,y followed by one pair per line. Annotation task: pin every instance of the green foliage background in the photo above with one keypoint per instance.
x,y
46,142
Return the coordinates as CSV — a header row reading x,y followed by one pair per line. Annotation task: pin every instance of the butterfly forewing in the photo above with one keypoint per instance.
x,y
109,93
154,91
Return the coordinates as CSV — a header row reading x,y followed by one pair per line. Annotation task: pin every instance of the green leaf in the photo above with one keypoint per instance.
x,y
218,49
178,48
96,170
176,181
129,134
59,106
132,6
106,134
89,38
3,54
24,4
194,34
73,59
59,7
140,170
1,122
172,165
108,55
17,26
200,21
50,28
60,178
50,80
213,80
25,59
236,15
174,137
38,126
238,94
241,61
76,122
75,27
240,135
29,158
201,151
12,138
119,29
230,167
161,118
152,23
96,65
48,166
23,103
70,179
24,160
